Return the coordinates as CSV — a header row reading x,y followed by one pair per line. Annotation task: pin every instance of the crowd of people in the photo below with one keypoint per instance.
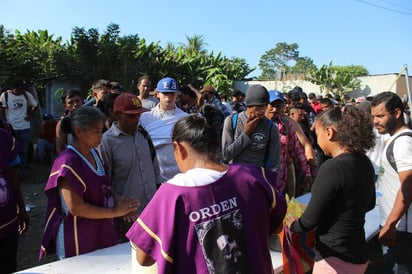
x,y
198,182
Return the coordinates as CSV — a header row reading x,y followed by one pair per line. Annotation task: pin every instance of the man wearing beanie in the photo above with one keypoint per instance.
x,y
249,137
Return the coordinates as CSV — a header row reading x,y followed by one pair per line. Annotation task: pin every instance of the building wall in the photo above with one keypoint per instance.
x,y
53,102
283,86
374,84
370,85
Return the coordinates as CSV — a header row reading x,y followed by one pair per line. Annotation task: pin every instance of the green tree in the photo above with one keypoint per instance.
x,y
340,78
88,56
303,65
283,56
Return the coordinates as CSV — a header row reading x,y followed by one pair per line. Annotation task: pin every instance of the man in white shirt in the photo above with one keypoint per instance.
x,y
18,106
394,182
159,123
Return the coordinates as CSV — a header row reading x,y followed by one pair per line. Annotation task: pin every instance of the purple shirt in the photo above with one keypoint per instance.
x,y
9,149
81,235
220,227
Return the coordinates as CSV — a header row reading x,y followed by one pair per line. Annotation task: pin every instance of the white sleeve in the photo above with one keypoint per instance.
x,y
31,100
402,152
3,99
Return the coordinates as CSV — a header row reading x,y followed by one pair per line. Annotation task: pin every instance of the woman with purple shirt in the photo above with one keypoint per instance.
x,y
13,217
81,206
211,218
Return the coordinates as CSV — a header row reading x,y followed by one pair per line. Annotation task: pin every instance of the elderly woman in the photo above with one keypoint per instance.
x,y
342,193
211,218
81,207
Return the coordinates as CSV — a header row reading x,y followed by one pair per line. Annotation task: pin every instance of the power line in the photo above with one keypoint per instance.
x,y
385,8
390,3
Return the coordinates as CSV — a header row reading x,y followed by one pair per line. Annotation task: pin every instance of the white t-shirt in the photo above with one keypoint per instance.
x,y
159,124
388,182
16,109
375,153
196,177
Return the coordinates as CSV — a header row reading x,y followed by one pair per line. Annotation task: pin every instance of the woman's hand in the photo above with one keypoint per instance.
x,y
131,217
78,207
125,206
23,222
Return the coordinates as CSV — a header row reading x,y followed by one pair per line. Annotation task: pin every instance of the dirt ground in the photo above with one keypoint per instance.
x,y
34,197
29,244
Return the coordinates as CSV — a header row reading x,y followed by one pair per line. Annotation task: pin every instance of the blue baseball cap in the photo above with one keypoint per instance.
x,y
167,85
276,95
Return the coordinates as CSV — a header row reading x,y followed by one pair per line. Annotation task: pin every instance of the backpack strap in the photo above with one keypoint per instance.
x,y
234,121
149,141
389,150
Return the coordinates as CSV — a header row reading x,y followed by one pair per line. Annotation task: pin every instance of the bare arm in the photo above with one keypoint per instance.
x,y
78,207
403,200
22,214
60,139
143,258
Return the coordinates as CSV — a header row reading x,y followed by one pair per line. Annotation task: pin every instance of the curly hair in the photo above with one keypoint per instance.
x,y
354,128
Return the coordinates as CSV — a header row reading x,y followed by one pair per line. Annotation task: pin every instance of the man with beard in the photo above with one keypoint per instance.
x,y
395,182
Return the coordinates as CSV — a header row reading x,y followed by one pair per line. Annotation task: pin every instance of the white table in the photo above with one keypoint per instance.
x,y
117,259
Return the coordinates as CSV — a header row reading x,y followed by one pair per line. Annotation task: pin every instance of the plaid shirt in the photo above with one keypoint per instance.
x,y
290,145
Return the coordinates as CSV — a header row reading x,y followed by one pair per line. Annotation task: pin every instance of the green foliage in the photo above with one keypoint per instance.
x,y
340,77
286,57
89,55
303,65
283,56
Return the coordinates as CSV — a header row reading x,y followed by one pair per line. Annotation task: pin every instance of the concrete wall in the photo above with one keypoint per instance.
x,y
370,85
53,102
374,84
283,86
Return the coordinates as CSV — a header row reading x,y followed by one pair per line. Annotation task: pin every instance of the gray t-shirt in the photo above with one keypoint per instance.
x,y
261,149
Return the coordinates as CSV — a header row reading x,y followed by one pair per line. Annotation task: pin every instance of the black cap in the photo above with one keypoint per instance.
x,y
257,95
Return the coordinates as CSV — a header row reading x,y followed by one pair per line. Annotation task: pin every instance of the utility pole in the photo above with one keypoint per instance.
x,y
408,90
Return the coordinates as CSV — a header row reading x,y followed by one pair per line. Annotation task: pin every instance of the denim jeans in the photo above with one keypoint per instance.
x,y
44,148
23,136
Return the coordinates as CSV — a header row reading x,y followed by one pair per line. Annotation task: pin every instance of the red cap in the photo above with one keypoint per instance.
x,y
128,103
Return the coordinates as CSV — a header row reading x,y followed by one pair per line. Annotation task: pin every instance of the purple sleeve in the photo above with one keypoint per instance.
x,y
67,165
9,148
154,230
278,213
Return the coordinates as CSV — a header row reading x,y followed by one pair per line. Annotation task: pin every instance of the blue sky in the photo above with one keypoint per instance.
x,y
373,33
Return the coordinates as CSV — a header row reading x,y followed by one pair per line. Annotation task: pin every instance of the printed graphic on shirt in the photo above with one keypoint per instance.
x,y
4,192
258,141
223,244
